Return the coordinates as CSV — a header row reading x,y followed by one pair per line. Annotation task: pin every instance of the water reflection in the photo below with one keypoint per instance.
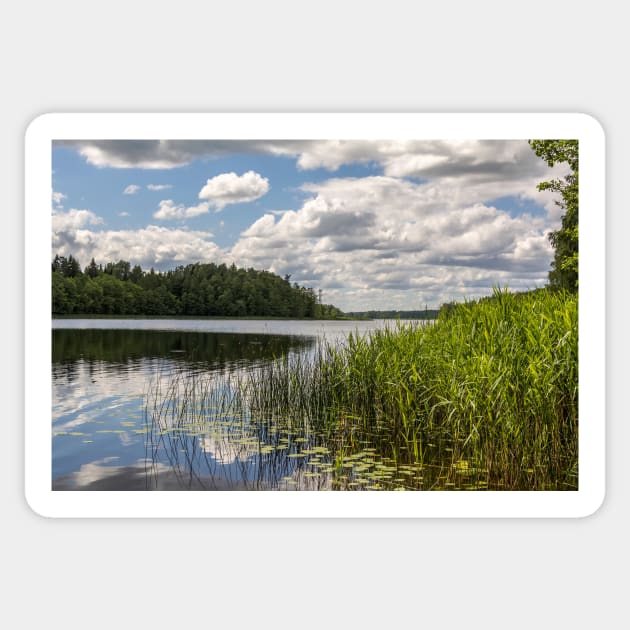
x,y
166,410
113,350
202,427
209,431
99,380
102,475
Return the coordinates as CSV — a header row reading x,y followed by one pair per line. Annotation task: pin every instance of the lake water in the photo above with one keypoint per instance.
x,y
113,430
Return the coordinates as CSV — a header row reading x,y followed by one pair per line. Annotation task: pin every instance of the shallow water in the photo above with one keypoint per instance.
x,y
109,433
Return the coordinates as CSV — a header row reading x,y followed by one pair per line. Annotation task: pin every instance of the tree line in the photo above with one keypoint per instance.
x,y
200,289
426,313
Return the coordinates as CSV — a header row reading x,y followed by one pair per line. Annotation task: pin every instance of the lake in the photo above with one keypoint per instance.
x,y
119,423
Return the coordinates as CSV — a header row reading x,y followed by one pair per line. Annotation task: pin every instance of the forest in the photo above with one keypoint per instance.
x,y
200,289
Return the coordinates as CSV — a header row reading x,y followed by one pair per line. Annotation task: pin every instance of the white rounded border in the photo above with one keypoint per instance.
x,y
592,407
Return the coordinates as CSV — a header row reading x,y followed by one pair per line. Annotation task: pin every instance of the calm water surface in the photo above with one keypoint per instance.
x,y
105,371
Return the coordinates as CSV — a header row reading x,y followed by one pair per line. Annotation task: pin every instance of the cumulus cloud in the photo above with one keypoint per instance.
x,y
398,157
152,246
168,210
220,191
168,154
230,188
504,165
74,219
132,189
149,154
406,238
57,197
67,225
319,218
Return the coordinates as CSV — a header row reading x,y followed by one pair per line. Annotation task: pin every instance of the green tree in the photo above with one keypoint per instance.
x,y
92,269
197,289
120,270
564,268
136,274
68,267
60,299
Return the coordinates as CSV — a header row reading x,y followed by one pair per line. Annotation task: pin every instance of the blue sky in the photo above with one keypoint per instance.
x,y
102,190
373,224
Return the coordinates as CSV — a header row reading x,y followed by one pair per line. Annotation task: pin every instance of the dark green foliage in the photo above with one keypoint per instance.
x,y
67,267
92,270
191,290
564,269
427,313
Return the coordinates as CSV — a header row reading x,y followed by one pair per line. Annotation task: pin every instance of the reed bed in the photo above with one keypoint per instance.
x,y
485,398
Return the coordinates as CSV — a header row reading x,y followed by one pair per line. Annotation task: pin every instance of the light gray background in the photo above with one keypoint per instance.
x,y
325,56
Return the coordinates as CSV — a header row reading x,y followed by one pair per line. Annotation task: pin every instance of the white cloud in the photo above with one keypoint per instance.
x,y
123,214
132,189
401,158
418,243
169,211
68,228
261,227
58,197
230,188
130,154
73,220
163,154
153,246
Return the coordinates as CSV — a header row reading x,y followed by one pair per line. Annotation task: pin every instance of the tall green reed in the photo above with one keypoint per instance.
x,y
489,391
486,397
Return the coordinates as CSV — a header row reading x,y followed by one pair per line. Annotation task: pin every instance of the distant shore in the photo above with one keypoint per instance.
x,y
203,317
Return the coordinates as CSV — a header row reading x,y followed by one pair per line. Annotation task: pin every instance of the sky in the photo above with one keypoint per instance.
x,y
373,224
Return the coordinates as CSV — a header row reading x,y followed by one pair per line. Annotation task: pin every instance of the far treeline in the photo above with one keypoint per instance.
x,y
195,290
427,313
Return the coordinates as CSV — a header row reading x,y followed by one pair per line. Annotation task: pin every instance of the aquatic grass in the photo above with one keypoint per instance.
x,y
493,381
485,398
